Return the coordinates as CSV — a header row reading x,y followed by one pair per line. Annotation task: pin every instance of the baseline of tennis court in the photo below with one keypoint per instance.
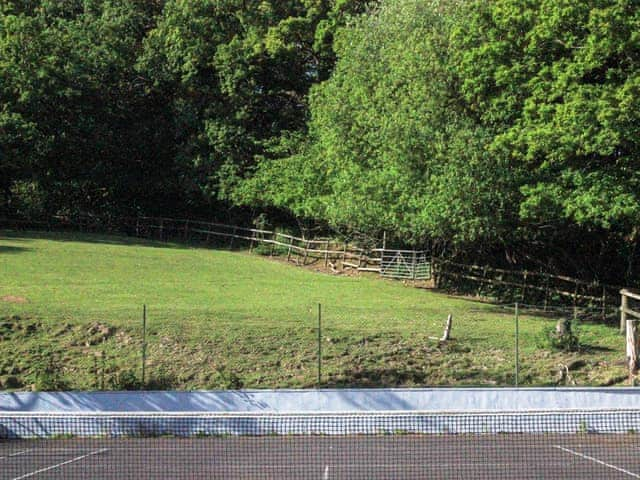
x,y
581,456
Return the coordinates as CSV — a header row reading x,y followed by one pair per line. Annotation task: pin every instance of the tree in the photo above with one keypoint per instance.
x,y
559,81
390,146
237,74
73,120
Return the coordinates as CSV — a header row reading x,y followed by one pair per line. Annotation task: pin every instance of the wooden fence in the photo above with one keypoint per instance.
x,y
537,287
629,318
300,250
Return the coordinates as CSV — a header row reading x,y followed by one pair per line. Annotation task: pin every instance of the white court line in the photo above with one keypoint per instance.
x,y
46,469
15,454
587,457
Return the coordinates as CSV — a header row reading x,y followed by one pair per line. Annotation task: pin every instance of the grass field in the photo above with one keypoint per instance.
x,y
71,317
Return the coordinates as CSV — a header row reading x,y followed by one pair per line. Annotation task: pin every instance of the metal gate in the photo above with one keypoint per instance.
x,y
406,264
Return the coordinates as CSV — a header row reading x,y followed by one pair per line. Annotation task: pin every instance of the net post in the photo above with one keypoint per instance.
x,y
517,339
319,344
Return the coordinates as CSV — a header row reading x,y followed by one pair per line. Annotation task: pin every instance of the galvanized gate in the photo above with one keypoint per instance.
x,y
406,264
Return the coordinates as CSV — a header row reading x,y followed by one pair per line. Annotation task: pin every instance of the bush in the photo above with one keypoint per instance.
x,y
48,375
161,379
28,199
225,380
561,338
125,380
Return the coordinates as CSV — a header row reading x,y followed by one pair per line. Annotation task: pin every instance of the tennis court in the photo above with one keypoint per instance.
x,y
399,457
375,445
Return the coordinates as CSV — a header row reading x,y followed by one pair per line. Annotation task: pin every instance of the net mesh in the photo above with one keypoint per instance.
x,y
562,444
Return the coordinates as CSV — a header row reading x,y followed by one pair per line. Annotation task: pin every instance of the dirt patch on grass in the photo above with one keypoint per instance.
x,y
13,299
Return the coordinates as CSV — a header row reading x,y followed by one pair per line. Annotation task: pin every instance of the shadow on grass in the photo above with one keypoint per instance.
x,y
7,249
410,377
376,378
107,239
586,348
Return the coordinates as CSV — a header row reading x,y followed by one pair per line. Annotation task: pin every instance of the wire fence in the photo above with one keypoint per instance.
x,y
320,345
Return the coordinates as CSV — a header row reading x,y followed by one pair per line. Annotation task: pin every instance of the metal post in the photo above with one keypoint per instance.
x,y
96,372
144,342
319,344
517,345
104,366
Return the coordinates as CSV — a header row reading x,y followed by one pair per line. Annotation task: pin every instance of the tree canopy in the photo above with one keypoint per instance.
x,y
505,126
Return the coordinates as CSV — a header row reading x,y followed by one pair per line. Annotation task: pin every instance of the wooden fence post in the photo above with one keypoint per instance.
x,y
435,271
326,254
546,291
233,236
524,285
289,251
186,230
306,253
623,311
274,236
344,255
480,288
413,266
632,348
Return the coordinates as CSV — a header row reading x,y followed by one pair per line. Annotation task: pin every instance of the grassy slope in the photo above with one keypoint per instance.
x,y
217,317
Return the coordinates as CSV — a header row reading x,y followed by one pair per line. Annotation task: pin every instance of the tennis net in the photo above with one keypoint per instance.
x,y
506,445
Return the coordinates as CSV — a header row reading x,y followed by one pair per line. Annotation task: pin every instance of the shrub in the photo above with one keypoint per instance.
x,y
225,379
125,380
48,374
562,337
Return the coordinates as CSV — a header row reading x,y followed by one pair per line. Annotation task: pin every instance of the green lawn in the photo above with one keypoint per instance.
x,y
71,315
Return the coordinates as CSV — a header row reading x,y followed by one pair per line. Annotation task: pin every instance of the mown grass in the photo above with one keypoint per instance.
x,y
219,319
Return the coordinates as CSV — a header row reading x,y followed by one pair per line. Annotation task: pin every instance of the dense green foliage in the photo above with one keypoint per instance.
x,y
390,147
508,123
112,106
508,126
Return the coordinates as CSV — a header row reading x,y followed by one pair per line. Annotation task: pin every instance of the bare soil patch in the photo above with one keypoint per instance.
x,y
13,299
